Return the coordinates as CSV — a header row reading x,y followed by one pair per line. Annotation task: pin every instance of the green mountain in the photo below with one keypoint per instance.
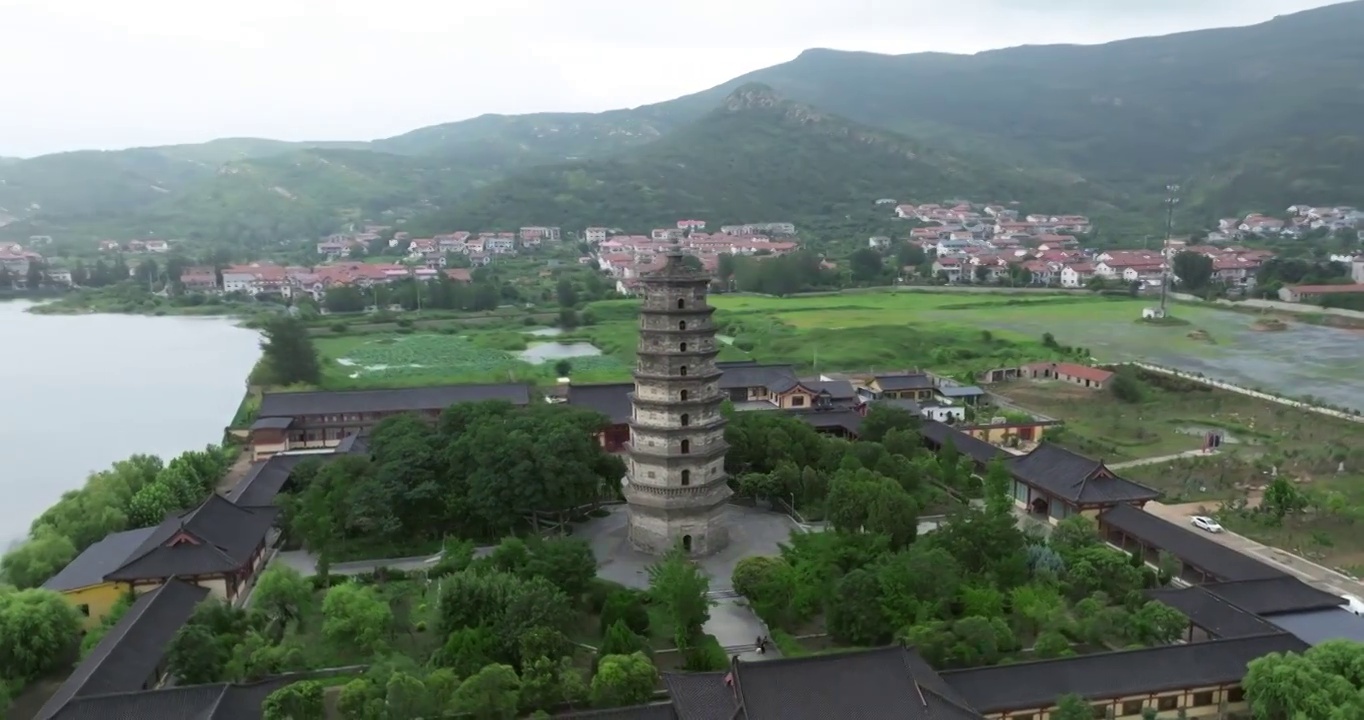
x,y
757,157
302,194
1248,118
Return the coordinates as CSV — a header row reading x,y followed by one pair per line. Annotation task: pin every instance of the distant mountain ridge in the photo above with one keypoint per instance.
x,y
1247,118
756,155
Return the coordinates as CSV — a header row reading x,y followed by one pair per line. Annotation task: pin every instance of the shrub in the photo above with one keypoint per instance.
x,y
339,328
706,656
625,606
404,322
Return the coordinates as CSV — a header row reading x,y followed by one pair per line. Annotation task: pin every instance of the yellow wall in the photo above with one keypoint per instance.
x,y
1000,435
98,599
1183,699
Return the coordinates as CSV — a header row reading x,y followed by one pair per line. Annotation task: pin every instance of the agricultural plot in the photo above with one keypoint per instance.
x,y
432,358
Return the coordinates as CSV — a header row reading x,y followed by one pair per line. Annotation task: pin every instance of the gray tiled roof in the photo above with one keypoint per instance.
x,y
1318,626
264,480
609,399
218,701
1076,478
701,696
293,404
225,536
1215,615
866,685
1271,596
98,560
129,654
654,711
904,381
1036,685
1207,555
747,376
978,450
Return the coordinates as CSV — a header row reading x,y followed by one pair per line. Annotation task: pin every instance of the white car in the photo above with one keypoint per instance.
x,y
1353,605
1203,522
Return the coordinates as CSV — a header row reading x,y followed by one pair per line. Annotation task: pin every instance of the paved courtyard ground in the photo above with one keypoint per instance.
x,y
751,532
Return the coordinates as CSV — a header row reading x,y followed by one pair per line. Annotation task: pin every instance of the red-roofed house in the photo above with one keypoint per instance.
x,y
1082,375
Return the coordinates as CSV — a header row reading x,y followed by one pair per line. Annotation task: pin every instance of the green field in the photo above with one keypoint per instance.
x,y
951,333
428,358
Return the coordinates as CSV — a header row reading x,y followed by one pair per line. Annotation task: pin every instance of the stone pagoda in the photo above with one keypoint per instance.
x,y
675,483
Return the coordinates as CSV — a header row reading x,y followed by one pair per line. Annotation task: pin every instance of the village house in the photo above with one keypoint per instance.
x,y
256,279
1314,293
949,268
109,246
534,235
691,225
1082,375
199,279
1077,275
917,386
594,235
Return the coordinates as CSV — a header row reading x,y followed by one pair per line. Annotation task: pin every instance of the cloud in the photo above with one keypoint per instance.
x,y
100,74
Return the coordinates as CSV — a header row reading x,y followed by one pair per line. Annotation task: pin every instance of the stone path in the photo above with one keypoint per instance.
x,y
1161,459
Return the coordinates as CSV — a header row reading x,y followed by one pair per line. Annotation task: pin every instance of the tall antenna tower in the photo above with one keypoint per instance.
x,y
1171,200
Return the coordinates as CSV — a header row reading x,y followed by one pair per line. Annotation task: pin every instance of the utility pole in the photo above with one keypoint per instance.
x,y
1170,201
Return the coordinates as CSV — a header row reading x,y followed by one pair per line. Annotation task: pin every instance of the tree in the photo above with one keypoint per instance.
x,y
1051,644
288,353
566,563
627,606
196,656
999,499
355,616
883,418
623,680
567,295
1073,534
1072,707
547,683
679,587
1281,498
1325,682
854,611
38,629
296,701
406,696
866,265
281,595
44,554
562,368
1193,269
1126,386
1156,624
493,693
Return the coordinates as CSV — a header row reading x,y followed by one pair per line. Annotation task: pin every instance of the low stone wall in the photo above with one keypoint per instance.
x,y
1289,402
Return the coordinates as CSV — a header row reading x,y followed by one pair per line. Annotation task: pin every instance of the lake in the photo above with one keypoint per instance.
x,y
83,391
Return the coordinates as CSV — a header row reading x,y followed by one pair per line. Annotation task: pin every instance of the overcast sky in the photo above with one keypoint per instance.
x,y
118,73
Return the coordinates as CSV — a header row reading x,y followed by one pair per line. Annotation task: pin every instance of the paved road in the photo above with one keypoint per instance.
x,y
1305,570
1161,459
306,563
